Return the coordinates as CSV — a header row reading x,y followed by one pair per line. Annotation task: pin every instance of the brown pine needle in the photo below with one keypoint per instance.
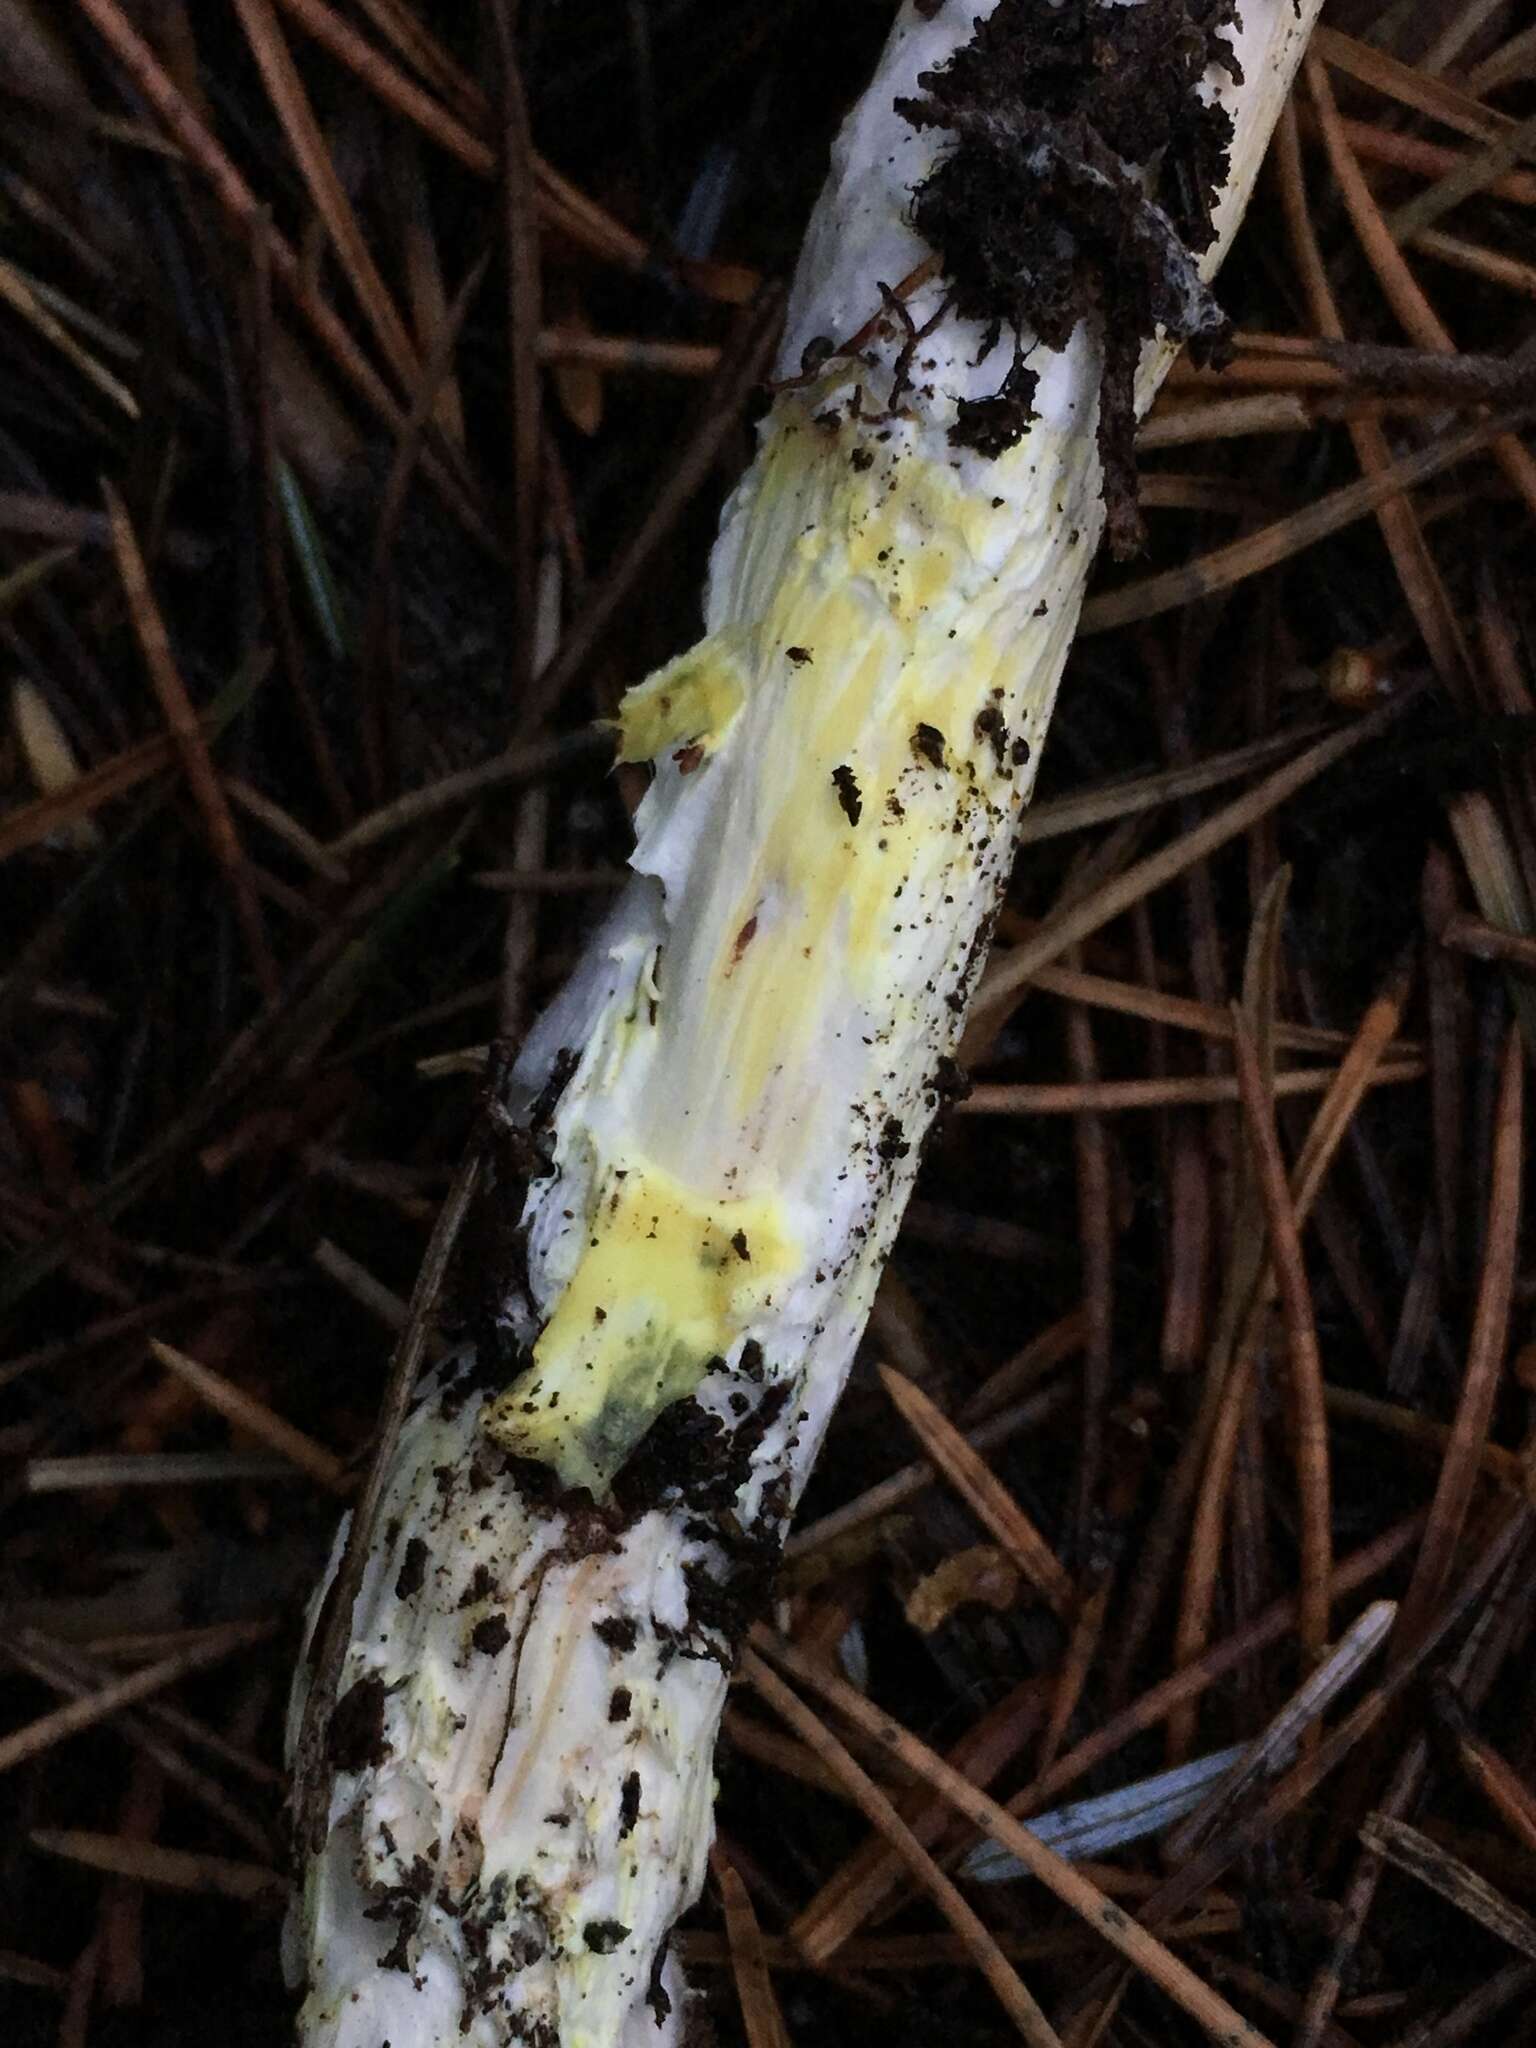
x,y
1414,1852
886,1496
104,1471
180,1870
410,37
861,1885
233,193
1191,1681
1426,159
464,134
1013,970
524,302
256,804
258,1420
781,1753
30,824
1227,566
1506,1468
1071,1098
190,743
1334,1115
156,1731
1490,1774
1274,1748
19,1969
1479,170
470,143
40,1735
760,2013
1492,265
1397,518
365,1288
1482,941
1392,270
246,214
889,1952
1313,1769
291,104
1075,1669
1127,796
981,1489
1485,1358
878,1810
1309,1417
1141,1949
619,352
1377,1031
519,765
1186,1013
16,293
1024,1369
1408,85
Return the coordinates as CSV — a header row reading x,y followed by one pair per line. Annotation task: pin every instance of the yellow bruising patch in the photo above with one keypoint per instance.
x,y
693,701
667,1284
877,589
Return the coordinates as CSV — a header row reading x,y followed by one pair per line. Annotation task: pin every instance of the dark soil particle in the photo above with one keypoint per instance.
x,y
542,1109
491,1636
355,1738
991,728
619,1703
846,785
1038,220
629,1805
950,1082
617,1632
928,742
893,1143
604,1936
690,1454
591,1529
412,1575
492,1256
993,424
480,1587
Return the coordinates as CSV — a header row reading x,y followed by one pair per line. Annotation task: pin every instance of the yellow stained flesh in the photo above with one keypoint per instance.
x,y
665,1287
853,740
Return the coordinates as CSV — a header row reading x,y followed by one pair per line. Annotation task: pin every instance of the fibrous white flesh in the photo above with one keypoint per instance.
x,y
757,1037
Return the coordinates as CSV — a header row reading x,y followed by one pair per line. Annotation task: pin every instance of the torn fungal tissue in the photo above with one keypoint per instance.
x,y
708,1141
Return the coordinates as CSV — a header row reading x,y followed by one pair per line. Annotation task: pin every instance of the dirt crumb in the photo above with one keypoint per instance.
x,y
1080,185
846,784
412,1575
491,1636
355,1738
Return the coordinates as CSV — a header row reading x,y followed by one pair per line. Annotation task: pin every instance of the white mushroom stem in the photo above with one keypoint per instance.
x,y
719,1123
